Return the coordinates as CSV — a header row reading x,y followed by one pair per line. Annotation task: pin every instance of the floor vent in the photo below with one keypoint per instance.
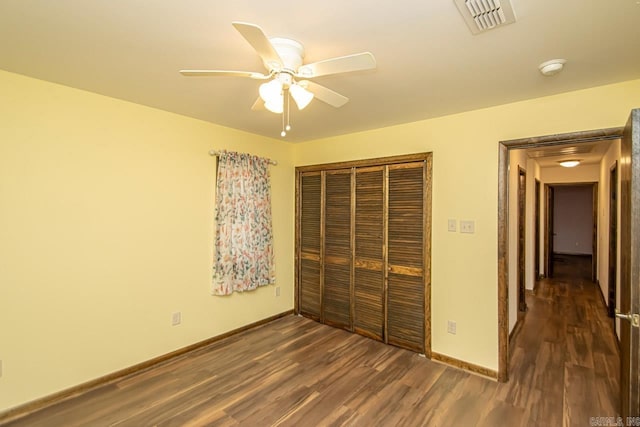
x,y
484,15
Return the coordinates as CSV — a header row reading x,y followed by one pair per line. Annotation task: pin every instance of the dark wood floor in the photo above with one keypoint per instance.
x,y
296,372
566,350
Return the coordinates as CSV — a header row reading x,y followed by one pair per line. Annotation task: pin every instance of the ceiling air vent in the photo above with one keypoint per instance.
x,y
483,15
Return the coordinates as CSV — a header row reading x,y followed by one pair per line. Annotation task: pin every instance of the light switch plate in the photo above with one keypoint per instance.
x,y
452,225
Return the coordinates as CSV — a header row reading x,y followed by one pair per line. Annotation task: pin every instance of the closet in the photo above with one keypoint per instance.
x,y
363,234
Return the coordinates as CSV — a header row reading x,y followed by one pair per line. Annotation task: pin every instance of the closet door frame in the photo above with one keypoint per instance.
x,y
381,161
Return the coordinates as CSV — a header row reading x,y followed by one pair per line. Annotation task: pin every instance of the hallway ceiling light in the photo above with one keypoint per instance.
x,y
569,163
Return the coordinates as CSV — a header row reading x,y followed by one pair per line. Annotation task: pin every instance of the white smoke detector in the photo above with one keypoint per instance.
x,y
554,66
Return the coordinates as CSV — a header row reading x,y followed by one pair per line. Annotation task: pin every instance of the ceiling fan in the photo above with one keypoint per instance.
x,y
287,75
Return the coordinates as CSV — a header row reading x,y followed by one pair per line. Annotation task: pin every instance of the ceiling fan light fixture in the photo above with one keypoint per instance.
x,y
275,105
271,91
300,95
569,163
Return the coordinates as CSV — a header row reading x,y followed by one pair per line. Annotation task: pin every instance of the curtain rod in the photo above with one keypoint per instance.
x,y
216,153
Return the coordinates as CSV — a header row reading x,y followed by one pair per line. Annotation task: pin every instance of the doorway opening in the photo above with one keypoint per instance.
x,y
505,147
571,225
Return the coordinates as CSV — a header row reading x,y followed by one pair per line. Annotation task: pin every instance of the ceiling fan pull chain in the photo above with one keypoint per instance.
x,y
284,100
286,103
288,127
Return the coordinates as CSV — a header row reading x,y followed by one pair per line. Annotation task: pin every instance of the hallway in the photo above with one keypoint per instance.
x,y
566,351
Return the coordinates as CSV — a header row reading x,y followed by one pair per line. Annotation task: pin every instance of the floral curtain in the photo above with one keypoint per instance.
x,y
244,237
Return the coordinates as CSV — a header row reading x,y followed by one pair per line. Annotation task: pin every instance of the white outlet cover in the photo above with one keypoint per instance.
x,y
468,227
451,327
176,318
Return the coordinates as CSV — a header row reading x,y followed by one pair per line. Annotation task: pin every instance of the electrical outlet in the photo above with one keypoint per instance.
x,y
176,318
277,291
451,327
451,225
467,227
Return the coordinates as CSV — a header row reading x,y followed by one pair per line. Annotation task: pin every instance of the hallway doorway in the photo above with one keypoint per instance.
x,y
629,235
560,143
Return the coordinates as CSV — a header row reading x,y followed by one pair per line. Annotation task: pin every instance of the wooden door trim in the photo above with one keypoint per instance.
x,y
594,235
537,191
323,197
297,251
629,178
426,211
385,255
521,269
352,251
378,161
548,229
503,215
613,206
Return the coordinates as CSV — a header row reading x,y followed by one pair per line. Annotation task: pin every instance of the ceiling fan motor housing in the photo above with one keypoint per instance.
x,y
290,51
286,78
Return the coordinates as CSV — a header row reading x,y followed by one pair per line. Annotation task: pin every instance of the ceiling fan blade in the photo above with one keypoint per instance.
x,y
343,64
258,105
324,94
209,73
260,42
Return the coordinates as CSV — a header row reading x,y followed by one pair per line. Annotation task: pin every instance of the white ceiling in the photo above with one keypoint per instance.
x,y
429,63
589,153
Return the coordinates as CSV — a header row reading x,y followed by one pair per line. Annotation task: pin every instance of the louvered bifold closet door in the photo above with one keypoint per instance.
x,y
406,281
310,244
369,252
336,302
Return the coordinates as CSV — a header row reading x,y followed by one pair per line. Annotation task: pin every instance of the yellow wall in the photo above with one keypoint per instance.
x,y
106,224
465,186
533,174
106,213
